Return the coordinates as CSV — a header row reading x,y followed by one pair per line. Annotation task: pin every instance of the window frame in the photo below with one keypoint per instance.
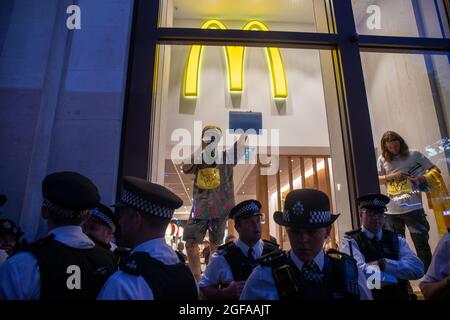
x,y
346,45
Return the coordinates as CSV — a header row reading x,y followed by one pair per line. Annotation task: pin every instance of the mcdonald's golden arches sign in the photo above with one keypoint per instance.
x,y
235,60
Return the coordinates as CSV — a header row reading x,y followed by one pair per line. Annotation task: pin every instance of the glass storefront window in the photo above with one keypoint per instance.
x,y
410,95
302,142
406,18
280,15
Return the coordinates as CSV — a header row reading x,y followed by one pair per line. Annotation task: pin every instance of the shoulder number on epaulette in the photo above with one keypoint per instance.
x,y
270,258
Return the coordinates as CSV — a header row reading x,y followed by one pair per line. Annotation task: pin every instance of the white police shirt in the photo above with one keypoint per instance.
x,y
113,246
261,285
408,266
440,265
218,270
20,275
125,286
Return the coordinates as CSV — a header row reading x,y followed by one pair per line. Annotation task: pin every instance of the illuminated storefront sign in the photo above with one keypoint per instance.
x,y
235,60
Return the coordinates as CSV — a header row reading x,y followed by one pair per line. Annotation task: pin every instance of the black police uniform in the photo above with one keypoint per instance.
x,y
387,247
9,227
338,279
166,281
66,195
376,250
240,264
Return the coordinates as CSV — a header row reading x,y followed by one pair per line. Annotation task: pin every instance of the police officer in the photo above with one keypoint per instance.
x,y
435,285
371,245
306,272
231,265
153,271
9,236
66,264
102,226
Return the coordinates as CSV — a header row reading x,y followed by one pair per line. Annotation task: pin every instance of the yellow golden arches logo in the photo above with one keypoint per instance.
x,y
235,58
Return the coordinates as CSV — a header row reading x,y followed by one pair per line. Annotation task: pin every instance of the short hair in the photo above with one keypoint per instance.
x,y
391,136
76,221
154,221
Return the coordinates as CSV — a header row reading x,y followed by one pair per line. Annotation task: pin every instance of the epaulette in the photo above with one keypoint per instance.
x,y
122,252
269,246
130,264
353,233
333,253
225,245
271,243
272,258
223,248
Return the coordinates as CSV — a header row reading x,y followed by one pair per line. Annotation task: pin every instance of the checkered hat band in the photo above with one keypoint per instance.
x,y
7,226
103,218
60,211
146,206
319,217
249,208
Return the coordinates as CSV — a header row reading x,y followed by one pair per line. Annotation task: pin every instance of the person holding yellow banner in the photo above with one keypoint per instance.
x,y
403,172
213,194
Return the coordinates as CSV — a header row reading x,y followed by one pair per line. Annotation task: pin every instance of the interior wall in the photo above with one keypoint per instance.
x,y
300,114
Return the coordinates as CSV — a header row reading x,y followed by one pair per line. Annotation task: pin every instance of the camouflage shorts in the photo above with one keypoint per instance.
x,y
195,230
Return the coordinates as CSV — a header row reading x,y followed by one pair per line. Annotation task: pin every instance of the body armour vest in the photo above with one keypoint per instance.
x,y
167,282
241,266
339,281
68,273
373,250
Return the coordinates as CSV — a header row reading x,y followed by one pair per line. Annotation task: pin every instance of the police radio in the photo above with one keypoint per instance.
x,y
287,283
349,270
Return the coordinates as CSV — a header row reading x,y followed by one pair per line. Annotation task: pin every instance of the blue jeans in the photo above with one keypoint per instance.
x,y
418,227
